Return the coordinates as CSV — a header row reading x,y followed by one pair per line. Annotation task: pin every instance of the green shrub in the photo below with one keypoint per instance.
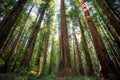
x,y
50,77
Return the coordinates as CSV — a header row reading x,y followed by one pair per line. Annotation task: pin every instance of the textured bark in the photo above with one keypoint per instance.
x,y
65,63
7,41
42,58
77,52
90,70
7,23
43,51
113,21
112,32
25,62
107,66
15,42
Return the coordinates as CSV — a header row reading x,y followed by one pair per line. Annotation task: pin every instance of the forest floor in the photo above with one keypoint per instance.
x,y
17,76
60,78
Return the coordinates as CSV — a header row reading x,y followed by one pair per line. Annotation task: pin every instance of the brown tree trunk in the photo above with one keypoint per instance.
x,y
42,58
7,41
7,23
65,63
87,54
25,62
40,48
15,42
77,52
112,32
112,10
43,51
113,21
107,66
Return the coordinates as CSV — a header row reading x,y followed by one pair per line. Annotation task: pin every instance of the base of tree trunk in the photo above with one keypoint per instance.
x,y
64,72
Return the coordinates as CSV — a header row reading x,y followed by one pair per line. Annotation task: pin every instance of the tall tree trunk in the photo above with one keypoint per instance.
x,y
42,58
107,66
7,41
113,21
87,54
40,48
90,70
65,63
110,6
25,62
7,23
116,39
13,46
75,56
51,56
77,51
43,52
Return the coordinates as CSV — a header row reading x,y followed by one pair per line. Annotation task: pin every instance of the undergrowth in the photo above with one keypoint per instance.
x,y
27,76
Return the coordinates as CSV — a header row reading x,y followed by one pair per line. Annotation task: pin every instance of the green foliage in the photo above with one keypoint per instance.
x,y
81,78
8,76
50,77
73,13
1,63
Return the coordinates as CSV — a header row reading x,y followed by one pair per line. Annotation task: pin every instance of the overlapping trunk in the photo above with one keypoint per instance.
x,y
65,63
13,46
25,62
7,23
43,53
90,70
112,31
113,21
107,66
78,53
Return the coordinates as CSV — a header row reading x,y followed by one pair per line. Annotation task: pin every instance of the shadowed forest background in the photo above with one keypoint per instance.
x,y
59,39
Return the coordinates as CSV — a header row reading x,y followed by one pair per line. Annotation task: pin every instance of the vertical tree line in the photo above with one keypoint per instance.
x,y
42,39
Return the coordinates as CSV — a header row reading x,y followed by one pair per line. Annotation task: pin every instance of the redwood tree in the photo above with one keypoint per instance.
x,y
81,71
65,63
25,62
113,20
7,23
107,67
90,70
13,46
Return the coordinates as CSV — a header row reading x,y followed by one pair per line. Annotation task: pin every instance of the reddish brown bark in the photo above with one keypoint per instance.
x,y
116,39
105,62
15,42
113,21
90,70
25,62
78,52
7,23
65,63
